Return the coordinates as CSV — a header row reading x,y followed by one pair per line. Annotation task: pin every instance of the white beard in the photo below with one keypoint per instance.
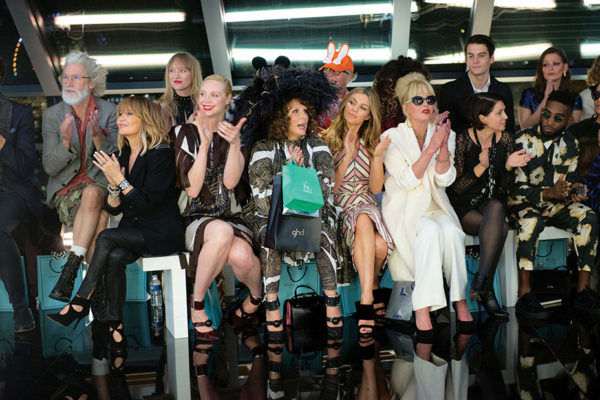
x,y
73,96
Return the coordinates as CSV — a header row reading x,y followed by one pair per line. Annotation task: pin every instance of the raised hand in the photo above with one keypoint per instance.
x,y
110,166
518,159
66,130
94,125
350,144
440,118
484,156
230,132
382,146
296,155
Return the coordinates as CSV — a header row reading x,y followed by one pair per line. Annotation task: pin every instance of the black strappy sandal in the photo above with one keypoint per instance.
x,y
275,340
366,340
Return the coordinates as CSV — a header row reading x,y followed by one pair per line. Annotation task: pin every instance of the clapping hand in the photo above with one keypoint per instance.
x,y
230,132
517,159
484,156
560,190
296,155
66,130
382,147
110,166
350,141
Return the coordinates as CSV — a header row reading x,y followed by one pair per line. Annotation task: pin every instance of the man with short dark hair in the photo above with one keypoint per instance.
x,y
545,193
479,55
17,199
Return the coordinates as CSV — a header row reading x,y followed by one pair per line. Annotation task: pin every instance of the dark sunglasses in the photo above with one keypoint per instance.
x,y
558,118
418,100
595,95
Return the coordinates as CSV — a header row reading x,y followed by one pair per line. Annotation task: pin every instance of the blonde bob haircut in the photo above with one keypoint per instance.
x,y
152,132
189,62
411,85
369,131
220,78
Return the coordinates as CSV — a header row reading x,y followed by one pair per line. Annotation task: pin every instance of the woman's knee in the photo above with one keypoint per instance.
x,y
218,233
119,256
364,222
381,247
242,258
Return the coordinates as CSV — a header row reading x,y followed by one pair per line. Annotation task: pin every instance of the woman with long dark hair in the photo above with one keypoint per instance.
x,y
552,73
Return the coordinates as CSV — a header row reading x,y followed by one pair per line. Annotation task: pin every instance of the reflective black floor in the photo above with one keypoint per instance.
x,y
554,359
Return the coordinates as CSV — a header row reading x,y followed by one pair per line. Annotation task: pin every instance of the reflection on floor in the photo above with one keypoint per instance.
x,y
555,359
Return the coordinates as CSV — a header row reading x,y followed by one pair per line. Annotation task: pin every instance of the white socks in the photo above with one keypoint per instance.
x,y
78,250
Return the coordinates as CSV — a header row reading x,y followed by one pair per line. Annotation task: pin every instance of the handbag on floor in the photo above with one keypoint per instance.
x,y
290,232
304,319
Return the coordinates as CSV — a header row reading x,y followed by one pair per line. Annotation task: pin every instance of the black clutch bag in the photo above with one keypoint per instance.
x,y
304,318
553,282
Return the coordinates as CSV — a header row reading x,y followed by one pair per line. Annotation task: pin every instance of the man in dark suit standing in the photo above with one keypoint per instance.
x,y
17,199
479,53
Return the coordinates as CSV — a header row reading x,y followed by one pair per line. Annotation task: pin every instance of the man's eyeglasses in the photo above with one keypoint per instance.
x,y
595,95
418,100
76,78
558,118
332,72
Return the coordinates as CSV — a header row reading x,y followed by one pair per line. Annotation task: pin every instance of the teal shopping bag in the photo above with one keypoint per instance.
x,y
301,188
4,300
57,339
551,254
136,283
49,270
349,294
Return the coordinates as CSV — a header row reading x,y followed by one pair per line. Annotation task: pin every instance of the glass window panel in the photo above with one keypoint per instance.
x,y
304,40
438,32
160,39
570,25
19,70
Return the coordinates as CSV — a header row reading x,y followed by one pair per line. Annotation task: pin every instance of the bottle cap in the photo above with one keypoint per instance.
x,y
154,276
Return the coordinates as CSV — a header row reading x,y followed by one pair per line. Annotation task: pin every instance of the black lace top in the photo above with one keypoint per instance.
x,y
185,108
468,191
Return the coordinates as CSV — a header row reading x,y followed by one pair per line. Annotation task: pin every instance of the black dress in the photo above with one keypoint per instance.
x,y
468,191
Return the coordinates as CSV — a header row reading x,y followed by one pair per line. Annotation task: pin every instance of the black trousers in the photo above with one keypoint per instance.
x,y
12,211
115,248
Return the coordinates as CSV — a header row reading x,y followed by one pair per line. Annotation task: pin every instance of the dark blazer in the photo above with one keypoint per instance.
x,y
152,204
18,158
454,94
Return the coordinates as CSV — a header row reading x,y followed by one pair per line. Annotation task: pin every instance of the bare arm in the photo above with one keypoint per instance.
x,y
234,166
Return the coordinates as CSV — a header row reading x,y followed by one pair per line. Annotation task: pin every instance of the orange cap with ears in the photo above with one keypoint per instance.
x,y
338,60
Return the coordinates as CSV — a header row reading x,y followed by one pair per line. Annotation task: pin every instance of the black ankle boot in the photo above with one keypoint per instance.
x,y
492,308
477,287
64,287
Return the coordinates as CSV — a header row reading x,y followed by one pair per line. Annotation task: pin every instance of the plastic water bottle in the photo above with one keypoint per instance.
x,y
156,305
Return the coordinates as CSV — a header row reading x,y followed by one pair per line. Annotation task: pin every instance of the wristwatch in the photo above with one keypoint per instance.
x,y
123,185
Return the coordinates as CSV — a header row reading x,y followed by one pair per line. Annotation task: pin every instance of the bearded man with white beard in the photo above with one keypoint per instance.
x,y
73,130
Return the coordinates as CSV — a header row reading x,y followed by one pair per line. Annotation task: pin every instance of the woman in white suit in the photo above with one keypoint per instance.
x,y
426,231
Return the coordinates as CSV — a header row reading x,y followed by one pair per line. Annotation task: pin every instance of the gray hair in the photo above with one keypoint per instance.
x,y
95,71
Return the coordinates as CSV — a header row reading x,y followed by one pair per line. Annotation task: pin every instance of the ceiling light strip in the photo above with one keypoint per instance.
x,y
307,12
124,18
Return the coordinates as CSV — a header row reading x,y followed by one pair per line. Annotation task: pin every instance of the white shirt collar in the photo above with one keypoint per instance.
x,y
485,88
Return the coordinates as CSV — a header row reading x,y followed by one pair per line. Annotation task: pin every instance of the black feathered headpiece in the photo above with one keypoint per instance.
x,y
272,88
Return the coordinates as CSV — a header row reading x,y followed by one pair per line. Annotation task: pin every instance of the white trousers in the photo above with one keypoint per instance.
x,y
439,251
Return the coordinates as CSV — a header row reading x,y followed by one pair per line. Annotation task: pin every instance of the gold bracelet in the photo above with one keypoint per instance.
x,y
438,159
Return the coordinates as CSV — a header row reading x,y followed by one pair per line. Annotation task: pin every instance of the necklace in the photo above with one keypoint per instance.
x,y
421,137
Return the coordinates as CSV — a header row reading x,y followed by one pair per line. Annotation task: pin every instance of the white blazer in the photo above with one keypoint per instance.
x,y
406,198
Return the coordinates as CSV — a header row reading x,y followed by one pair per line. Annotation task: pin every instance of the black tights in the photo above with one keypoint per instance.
x,y
489,224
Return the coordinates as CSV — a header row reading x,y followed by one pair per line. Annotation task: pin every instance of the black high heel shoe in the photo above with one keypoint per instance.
x,y
72,314
477,287
491,306
463,327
